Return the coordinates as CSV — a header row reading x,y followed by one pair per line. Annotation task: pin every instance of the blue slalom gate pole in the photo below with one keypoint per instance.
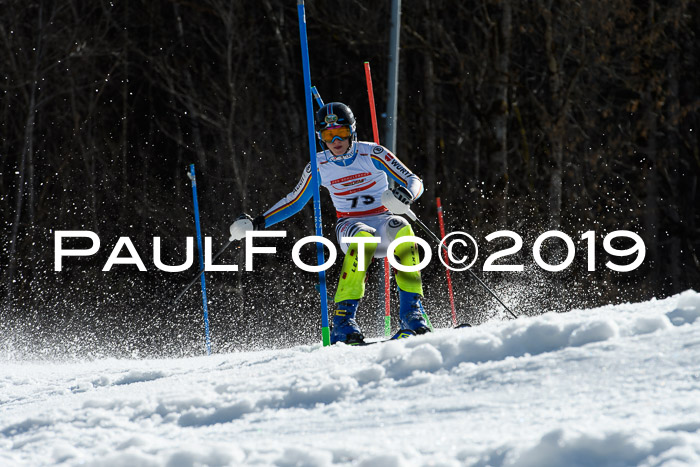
x,y
325,331
201,258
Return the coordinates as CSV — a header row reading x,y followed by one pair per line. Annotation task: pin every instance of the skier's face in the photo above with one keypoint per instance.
x,y
337,138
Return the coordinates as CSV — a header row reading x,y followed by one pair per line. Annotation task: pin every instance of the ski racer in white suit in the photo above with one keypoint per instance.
x,y
356,174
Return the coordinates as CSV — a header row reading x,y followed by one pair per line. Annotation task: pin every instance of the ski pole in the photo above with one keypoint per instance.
x,y
411,215
201,271
446,256
317,96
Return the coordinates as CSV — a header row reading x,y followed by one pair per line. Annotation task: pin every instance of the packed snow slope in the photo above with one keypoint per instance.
x,y
613,386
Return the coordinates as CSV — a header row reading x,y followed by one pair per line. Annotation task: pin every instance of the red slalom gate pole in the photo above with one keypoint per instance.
x,y
387,270
447,261
373,112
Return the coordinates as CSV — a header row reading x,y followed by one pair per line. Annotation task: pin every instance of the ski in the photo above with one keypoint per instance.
x,y
400,334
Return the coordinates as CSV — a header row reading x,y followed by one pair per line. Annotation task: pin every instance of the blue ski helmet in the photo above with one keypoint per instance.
x,y
335,114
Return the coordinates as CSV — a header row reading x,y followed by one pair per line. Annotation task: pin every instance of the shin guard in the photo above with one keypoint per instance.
x,y
408,256
351,285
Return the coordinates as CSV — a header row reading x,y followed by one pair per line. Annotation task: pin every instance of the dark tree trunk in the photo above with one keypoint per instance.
x,y
500,108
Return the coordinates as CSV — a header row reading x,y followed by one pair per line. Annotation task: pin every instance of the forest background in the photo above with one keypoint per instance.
x,y
520,115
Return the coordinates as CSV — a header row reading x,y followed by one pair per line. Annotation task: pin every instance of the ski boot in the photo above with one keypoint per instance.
x,y
411,313
345,328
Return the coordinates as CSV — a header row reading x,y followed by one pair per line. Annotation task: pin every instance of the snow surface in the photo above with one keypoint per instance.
x,y
612,386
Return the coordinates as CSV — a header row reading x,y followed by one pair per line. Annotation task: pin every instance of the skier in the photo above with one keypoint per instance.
x,y
357,173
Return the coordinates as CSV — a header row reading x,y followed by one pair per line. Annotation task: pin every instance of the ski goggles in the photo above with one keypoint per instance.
x,y
329,134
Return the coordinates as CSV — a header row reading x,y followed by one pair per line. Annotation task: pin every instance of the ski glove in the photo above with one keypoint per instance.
x,y
399,200
243,224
